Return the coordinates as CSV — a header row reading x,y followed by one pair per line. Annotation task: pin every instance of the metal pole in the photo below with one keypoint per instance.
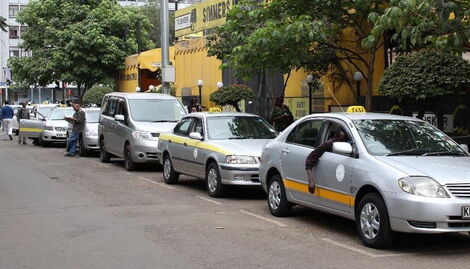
x,y
165,32
200,95
309,98
6,92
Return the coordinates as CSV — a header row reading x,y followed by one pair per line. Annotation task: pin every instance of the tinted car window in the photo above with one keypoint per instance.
x,y
197,127
183,127
307,133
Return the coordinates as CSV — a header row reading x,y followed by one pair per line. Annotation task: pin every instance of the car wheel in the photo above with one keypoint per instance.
x,y
41,142
277,198
169,174
213,181
128,162
105,157
373,223
82,152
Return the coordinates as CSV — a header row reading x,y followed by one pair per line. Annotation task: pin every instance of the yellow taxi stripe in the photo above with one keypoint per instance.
x,y
31,130
320,192
193,143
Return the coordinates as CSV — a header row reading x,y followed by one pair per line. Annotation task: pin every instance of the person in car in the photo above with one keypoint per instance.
x,y
314,156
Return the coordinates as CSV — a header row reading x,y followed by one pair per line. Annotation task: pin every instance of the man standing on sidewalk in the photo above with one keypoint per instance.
x,y
22,114
78,120
7,116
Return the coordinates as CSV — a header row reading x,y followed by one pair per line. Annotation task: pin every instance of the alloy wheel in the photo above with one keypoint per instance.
x,y
370,221
212,180
274,195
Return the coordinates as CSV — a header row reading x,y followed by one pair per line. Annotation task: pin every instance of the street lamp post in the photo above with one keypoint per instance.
x,y
220,84
309,82
199,84
357,78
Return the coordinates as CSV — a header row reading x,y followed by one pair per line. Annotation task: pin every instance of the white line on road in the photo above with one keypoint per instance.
x,y
364,252
263,218
209,200
157,183
127,173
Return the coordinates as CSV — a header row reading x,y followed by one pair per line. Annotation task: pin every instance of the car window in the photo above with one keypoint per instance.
x,y
104,108
307,133
197,127
156,110
183,127
331,130
92,116
113,104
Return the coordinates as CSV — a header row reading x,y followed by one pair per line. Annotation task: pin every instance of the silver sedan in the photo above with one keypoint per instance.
x,y
222,148
88,141
395,174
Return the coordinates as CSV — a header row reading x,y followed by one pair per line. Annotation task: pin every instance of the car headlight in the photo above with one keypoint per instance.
x,y
423,186
49,128
233,159
143,135
92,132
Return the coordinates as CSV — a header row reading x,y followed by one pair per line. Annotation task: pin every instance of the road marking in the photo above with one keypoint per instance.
x,y
263,218
209,200
157,183
365,252
127,173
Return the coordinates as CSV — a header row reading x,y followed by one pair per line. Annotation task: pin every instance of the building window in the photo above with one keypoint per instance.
x,y
14,53
13,32
13,10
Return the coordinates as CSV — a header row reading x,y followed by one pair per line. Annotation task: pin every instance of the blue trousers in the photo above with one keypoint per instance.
x,y
72,143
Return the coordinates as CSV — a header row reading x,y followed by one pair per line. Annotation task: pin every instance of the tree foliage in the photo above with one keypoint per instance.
x,y
231,95
3,24
95,95
152,11
78,41
415,24
317,35
426,74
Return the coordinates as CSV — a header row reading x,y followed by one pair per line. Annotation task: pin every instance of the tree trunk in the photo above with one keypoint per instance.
x,y
439,115
370,81
421,110
237,108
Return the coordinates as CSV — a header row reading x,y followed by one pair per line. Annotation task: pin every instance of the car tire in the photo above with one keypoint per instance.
x,y
169,174
82,152
42,143
214,185
128,162
105,157
277,198
373,223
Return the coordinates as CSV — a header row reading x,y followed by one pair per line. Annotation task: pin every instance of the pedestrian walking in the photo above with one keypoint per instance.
x,y
7,116
78,121
281,117
23,113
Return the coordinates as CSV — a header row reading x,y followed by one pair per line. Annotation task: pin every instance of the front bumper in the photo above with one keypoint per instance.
x,y
144,151
240,174
415,214
54,136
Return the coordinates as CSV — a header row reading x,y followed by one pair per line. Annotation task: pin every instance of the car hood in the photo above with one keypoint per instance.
x,y
248,147
155,127
445,169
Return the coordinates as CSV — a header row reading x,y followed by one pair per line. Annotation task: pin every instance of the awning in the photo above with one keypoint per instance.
x,y
152,59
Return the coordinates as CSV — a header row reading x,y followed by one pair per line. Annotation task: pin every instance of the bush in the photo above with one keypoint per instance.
x,y
95,95
231,95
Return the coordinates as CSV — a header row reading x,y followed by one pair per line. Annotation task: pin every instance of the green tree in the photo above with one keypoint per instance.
x,y
3,24
152,11
231,95
78,41
426,76
416,24
95,94
317,35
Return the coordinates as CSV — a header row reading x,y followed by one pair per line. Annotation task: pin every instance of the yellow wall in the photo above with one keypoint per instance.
x,y
128,78
194,64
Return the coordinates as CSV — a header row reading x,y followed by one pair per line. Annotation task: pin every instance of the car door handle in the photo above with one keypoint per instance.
x,y
285,151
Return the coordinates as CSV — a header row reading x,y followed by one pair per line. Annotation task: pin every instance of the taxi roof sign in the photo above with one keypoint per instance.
x,y
215,109
356,109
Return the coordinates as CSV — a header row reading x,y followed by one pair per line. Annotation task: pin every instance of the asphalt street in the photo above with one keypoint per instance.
x,y
58,212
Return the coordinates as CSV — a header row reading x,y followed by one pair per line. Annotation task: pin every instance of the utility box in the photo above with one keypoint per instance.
x,y
168,74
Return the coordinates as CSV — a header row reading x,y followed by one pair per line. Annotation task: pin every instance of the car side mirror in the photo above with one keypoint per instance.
x,y
119,117
195,135
342,148
464,146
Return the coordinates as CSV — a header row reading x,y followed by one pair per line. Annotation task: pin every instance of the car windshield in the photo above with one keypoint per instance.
x,y
59,114
405,137
239,127
44,110
93,116
156,110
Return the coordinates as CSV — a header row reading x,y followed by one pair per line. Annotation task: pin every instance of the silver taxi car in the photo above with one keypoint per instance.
x,y
395,174
222,148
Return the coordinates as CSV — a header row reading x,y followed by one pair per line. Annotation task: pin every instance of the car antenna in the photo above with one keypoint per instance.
x,y
336,100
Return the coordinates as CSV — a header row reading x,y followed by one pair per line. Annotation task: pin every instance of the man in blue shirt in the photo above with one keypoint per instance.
x,y
7,116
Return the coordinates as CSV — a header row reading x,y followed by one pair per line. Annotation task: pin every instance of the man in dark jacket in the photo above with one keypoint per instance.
x,y
23,113
314,156
78,120
7,116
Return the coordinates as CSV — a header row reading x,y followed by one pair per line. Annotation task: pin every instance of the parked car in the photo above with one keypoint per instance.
x,y
222,148
131,123
395,174
46,129
88,141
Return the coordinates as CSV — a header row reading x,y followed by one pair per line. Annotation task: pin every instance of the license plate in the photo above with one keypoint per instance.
x,y
61,135
466,212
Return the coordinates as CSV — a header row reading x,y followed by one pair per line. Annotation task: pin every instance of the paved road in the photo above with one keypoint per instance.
x,y
58,212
